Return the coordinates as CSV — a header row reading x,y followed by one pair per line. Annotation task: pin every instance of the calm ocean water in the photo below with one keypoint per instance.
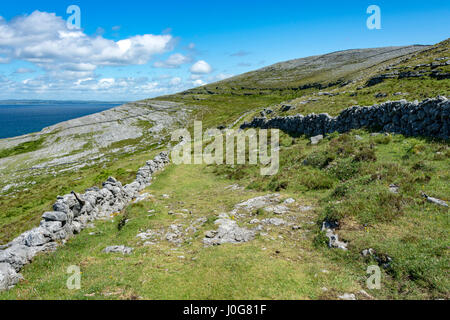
x,y
19,119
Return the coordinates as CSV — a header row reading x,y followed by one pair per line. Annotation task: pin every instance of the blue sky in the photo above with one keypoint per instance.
x,y
129,50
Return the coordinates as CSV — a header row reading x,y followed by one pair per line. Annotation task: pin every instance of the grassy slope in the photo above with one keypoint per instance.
x,y
414,233
156,272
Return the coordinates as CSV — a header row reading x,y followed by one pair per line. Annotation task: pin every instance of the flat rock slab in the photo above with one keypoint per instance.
x,y
228,232
315,140
274,221
54,216
277,209
439,202
118,249
258,202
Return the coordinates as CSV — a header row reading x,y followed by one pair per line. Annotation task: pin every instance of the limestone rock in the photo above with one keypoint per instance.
x,y
55,216
118,249
258,202
316,139
8,276
229,232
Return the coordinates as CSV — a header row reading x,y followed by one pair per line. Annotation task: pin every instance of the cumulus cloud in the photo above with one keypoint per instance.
x,y
174,61
201,67
43,39
198,82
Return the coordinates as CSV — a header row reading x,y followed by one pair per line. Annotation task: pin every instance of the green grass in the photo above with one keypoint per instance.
x,y
288,269
24,147
23,211
350,180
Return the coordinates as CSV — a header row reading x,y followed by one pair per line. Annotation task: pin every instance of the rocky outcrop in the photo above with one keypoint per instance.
x,y
71,214
428,118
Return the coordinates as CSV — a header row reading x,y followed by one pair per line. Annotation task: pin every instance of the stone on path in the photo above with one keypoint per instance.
x,y
228,232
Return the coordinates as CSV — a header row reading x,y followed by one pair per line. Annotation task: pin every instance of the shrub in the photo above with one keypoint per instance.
x,y
366,154
316,180
344,169
383,139
318,159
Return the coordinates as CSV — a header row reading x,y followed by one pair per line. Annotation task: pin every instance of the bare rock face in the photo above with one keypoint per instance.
x,y
228,232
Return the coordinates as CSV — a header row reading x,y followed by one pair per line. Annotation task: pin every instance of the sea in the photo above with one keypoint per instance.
x,y
19,118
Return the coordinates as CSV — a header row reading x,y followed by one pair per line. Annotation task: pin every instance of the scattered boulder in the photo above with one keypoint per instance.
x,y
142,197
435,200
289,201
347,296
228,232
286,107
274,221
174,234
316,139
394,188
383,260
333,238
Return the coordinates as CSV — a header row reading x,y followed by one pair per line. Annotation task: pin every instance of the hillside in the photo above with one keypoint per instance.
x,y
369,184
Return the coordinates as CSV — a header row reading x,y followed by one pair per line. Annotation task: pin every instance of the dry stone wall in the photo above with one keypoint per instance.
x,y
428,118
71,214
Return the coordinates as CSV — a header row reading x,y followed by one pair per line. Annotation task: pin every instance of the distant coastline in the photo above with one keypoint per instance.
x,y
19,117
37,102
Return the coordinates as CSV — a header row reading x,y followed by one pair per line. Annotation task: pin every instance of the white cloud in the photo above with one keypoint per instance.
x,y
201,67
198,82
24,70
174,61
43,39
175,81
195,76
